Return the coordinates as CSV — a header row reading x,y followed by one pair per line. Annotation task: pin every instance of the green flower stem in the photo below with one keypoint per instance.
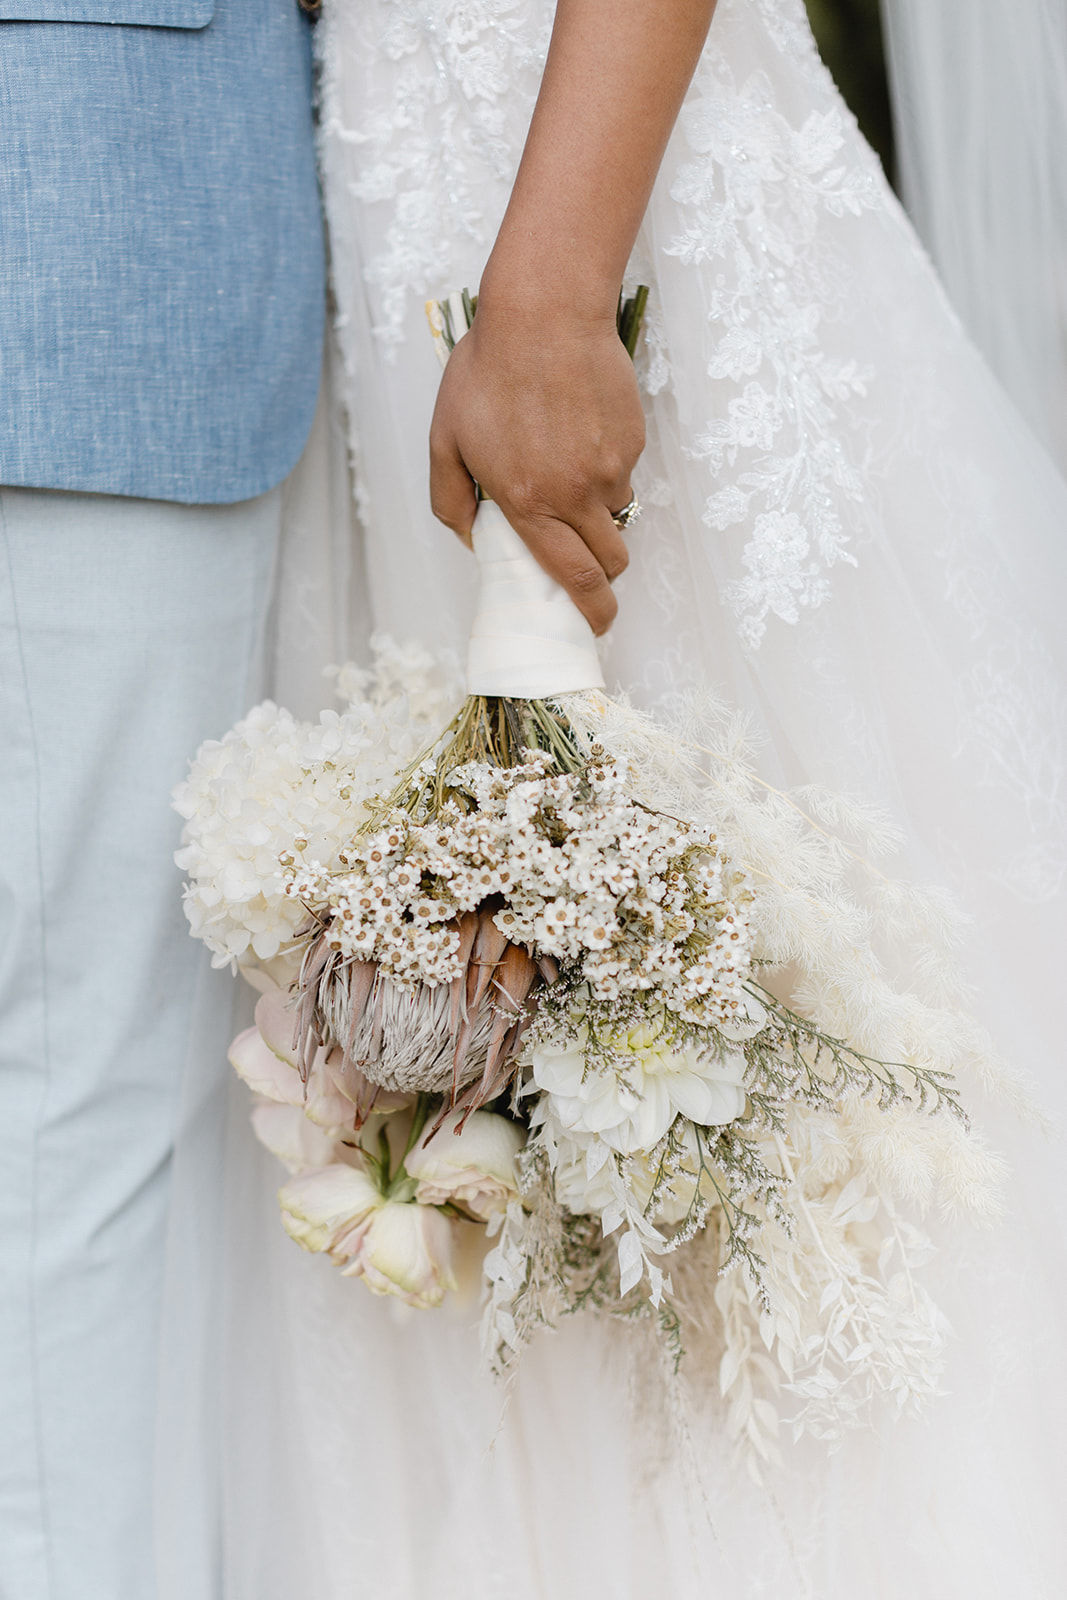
x,y
631,317
934,1088
419,1118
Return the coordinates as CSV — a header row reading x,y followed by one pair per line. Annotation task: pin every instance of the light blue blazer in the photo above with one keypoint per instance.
x,y
161,255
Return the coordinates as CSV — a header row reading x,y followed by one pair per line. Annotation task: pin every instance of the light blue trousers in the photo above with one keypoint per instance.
x,y
129,631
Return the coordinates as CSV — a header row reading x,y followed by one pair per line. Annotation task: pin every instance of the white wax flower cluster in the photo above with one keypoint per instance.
x,y
276,790
633,900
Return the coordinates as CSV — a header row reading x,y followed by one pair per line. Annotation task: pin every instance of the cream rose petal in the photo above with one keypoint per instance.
x,y
405,1250
320,1208
474,1166
263,1071
323,1100
277,1024
286,1132
324,1103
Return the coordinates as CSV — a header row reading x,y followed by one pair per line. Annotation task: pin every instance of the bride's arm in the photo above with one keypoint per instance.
x,y
539,403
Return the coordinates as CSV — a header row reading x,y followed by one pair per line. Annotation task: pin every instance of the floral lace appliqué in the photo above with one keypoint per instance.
x,y
439,134
755,196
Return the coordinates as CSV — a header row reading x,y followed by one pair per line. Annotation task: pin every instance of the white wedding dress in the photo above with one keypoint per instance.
x,y
848,534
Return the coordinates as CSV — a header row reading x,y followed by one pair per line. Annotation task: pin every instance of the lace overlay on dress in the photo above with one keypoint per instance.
x,y
752,198
434,135
785,466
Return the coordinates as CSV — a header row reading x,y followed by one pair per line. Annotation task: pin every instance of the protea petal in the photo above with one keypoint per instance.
x,y
489,947
548,967
361,976
364,1095
486,955
515,977
468,931
307,1035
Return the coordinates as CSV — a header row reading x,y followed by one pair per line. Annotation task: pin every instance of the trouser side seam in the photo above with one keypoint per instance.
x,y
46,1077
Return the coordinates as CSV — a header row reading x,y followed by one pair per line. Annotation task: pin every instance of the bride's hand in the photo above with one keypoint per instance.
x,y
539,402
542,410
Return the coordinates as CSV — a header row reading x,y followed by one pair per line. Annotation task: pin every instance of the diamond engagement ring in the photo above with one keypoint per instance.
x,y
629,513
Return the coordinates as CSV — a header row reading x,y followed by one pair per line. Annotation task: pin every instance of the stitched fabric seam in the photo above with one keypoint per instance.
x,y
36,1402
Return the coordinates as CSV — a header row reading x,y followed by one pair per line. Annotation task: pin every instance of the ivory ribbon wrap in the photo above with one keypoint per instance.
x,y
528,640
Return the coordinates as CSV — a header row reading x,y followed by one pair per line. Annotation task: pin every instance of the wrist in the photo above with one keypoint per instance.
x,y
540,282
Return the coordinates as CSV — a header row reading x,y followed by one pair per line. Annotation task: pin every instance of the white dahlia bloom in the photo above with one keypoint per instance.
x,y
587,1179
631,1087
582,1177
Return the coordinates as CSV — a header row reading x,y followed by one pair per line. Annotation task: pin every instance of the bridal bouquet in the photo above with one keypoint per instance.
x,y
578,983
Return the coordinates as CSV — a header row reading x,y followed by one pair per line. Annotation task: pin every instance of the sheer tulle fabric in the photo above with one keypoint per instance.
x,y
849,535
981,121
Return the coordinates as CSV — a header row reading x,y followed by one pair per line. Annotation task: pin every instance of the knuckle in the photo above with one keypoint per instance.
x,y
617,563
588,583
630,443
613,466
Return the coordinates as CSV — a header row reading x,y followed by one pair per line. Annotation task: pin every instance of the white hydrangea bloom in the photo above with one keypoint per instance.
x,y
276,791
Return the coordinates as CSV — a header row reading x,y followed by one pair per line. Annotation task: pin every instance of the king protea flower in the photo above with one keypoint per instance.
x,y
459,1039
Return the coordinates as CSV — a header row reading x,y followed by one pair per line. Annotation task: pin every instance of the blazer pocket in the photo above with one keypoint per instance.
x,y
131,13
